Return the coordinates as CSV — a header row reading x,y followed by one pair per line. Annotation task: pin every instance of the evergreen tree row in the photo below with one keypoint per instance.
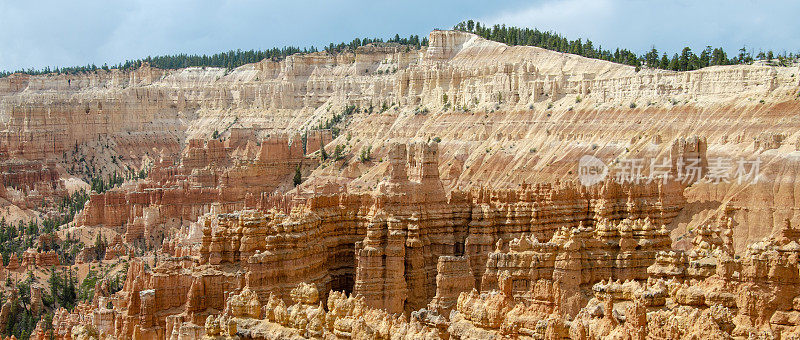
x,y
229,60
685,61
411,41
16,238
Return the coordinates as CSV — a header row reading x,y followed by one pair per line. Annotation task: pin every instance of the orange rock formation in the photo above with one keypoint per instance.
x,y
451,207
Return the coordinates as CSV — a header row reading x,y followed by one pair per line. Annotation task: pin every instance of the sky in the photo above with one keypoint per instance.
x,y
35,34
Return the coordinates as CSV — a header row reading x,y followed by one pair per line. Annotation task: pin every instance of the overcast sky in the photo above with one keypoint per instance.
x,y
79,32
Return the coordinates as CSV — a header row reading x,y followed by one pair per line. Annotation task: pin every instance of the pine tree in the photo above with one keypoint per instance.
x,y
685,59
298,177
744,56
674,63
718,57
705,56
553,41
322,154
229,60
651,58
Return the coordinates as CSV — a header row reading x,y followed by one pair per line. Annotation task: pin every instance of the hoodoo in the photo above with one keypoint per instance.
x,y
404,192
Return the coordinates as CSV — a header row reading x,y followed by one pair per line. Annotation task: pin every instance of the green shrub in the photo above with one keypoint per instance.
x,y
366,154
298,177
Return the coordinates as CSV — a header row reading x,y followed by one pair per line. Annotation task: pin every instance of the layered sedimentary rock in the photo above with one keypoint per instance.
x,y
40,259
554,276
210,173
392,247
453,276
307,316
535,287
115,249
747,296
730,297
451,204
506,114
495,313
13,262
7,307
30,184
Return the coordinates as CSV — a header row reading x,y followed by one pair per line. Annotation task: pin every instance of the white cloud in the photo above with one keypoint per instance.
x,y
38,33
569,17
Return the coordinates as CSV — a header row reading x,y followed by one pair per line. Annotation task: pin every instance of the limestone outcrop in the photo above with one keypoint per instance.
x,y
453,276
552,275
506,114
44,259
393,192
406,246
13,262
210,173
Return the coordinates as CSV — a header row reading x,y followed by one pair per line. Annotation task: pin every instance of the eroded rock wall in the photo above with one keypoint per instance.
x,y
388,246
455,166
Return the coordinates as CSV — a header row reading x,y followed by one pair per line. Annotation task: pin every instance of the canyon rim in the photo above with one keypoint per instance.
x,y
461,189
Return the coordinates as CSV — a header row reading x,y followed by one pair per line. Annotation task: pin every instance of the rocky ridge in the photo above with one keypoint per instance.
x,y
462,216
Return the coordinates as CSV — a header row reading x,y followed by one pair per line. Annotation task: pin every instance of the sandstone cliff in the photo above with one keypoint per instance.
x,y
506,115
449,203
